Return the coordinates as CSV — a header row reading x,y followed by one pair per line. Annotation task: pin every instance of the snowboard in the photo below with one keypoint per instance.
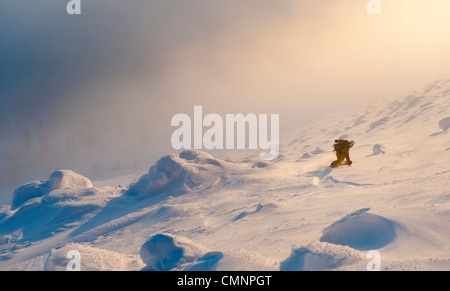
x,y
335,164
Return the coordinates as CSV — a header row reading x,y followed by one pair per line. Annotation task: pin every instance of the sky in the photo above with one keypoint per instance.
x,y
96,92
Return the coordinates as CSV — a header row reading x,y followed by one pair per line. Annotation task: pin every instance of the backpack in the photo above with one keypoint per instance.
x,y
342,145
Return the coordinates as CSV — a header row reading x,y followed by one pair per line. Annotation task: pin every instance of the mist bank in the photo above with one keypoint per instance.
x,y
96,92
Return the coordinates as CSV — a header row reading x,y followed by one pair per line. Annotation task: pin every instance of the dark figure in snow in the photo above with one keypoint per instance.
x,y
342,149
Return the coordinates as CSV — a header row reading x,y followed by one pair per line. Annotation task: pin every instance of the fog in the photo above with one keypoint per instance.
x,y
95,92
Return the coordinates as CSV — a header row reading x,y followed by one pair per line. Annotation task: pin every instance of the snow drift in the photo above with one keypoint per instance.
x,y
164,252
319,256
90,259
62,179
378,149
180,173
167,252
360,230
44,208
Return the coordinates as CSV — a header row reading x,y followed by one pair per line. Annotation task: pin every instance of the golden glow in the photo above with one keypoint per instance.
x,y
320,54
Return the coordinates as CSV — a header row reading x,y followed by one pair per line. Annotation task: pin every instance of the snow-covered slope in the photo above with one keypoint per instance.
x,y
193,211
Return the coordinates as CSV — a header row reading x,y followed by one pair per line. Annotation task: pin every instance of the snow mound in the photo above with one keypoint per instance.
x,y
61,179
320,256
378,149
444,124
27,192
360,230
42,209
180,173
64,179
90,259
164,252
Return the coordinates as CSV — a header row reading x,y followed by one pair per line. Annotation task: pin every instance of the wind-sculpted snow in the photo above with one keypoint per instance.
x,y
378,149
320,256
62,179
171,176
28,192
42,209
360,230
179,173
90,259
164,252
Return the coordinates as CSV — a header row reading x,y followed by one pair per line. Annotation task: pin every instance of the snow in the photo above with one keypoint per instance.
x,y
91,259
28,192
179,173
378,149
444,124
322,256
361,231
231,211
62,179
65,200
68,179
164,252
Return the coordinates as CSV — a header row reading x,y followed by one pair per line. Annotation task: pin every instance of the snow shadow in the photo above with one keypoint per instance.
x,y
438,133
245,213
336,181
444,124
